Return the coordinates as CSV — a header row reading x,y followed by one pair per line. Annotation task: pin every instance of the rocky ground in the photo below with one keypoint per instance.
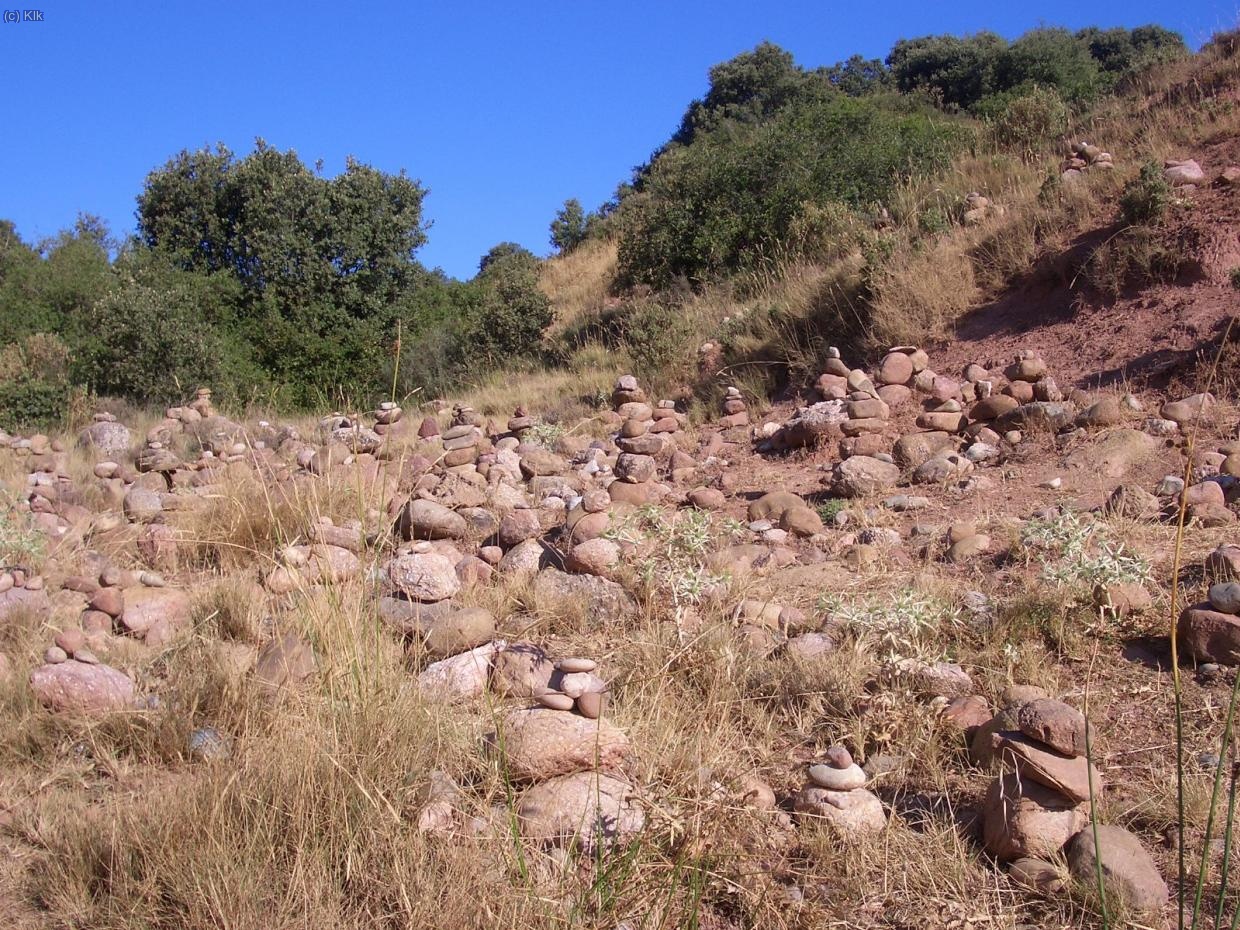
x,y
899,656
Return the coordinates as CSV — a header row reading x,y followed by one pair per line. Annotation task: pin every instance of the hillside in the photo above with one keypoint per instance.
x,y
890,581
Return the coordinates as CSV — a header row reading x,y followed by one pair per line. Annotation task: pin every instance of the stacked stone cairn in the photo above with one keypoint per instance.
x,y
835,792
1039,804
1082,159
735,411
388,418
1209,632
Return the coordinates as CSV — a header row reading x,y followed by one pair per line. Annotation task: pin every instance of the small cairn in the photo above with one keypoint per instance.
x,y
1210,632
520,422
735,411
387,416
836,792
1082,158
832,384
977,208
461,443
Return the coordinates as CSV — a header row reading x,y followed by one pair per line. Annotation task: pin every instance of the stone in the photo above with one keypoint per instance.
x,y
837,779
896,368
1024,819
285,661
1225,597
601,600
591,704
801,521
913,449
1060,726
863,475
1183,173
967,712
1113,453
707,498
1070,776
458,678
1223,564
459,631
426,519
853,813
424,576
107,438
538,743
594,557
1209,636
538,462
1128,871
85,688
517,526
148,609
555,700
589,810
772,505
943,467
634,468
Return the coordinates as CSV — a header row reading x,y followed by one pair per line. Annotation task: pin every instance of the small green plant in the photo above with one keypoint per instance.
x,y
1146,197
1074,551
545,434
906,625
676,549
1235,278
832,507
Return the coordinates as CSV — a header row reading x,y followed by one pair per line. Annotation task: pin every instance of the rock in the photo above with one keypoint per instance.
x,y
967,713
1023,819
592,810
933,679
426,519
517,526
863,475
1037,875
82,688
538,743
772,506
1128,872
1182,173
853,813
207,744
1067,775
424,576
1102,413
1209,636
1131,501
459,631
156,614
801,521
945,466
141,505
602,601
1060,726
896,368
106,438
1225,597
1223,564
1113,453
284,661
1186,412
913,449
594,557
459,677
838,779
521,670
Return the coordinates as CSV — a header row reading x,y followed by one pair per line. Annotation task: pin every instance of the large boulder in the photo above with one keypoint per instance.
x,y
156,614
82,688
603,601
591,809
459,677
538,743
1113,453
106,438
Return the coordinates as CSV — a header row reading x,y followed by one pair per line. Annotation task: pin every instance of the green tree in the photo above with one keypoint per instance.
x,y
958,71
569,227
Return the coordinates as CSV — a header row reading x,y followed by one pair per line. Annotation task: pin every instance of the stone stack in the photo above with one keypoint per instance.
x,y
1210,631
898,373
832,384
665,419
1083,158
22,590
735,412
137,604
835,792
627,391
520,422
1032,810
977,208
387,416
461,444
202,403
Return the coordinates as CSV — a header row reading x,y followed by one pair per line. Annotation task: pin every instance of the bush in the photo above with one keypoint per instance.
x,y
34,383
1027,122
731,201
570,227
1146,197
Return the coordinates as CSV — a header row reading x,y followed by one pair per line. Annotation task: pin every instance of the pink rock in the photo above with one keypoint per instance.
x,y
78,687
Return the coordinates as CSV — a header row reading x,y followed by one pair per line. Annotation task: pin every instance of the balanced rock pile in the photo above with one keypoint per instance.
x,y
735,412
1085,157
836,793
1210,631
138,604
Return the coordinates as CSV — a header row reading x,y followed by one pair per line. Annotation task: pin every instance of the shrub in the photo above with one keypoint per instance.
x,y
1146,197
1025,123
34,382
569,227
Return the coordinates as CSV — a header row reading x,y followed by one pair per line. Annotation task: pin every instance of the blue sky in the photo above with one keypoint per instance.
x,y
503,110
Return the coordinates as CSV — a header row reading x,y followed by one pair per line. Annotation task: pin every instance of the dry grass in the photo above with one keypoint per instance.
x,y
577,284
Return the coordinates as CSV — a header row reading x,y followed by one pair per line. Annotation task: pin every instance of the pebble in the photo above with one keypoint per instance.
x,y
1171,486
54,655
591,704
838,757
207,744
1054,484
572,664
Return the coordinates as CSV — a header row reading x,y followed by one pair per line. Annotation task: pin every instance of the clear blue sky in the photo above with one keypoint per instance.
x,y
503,110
